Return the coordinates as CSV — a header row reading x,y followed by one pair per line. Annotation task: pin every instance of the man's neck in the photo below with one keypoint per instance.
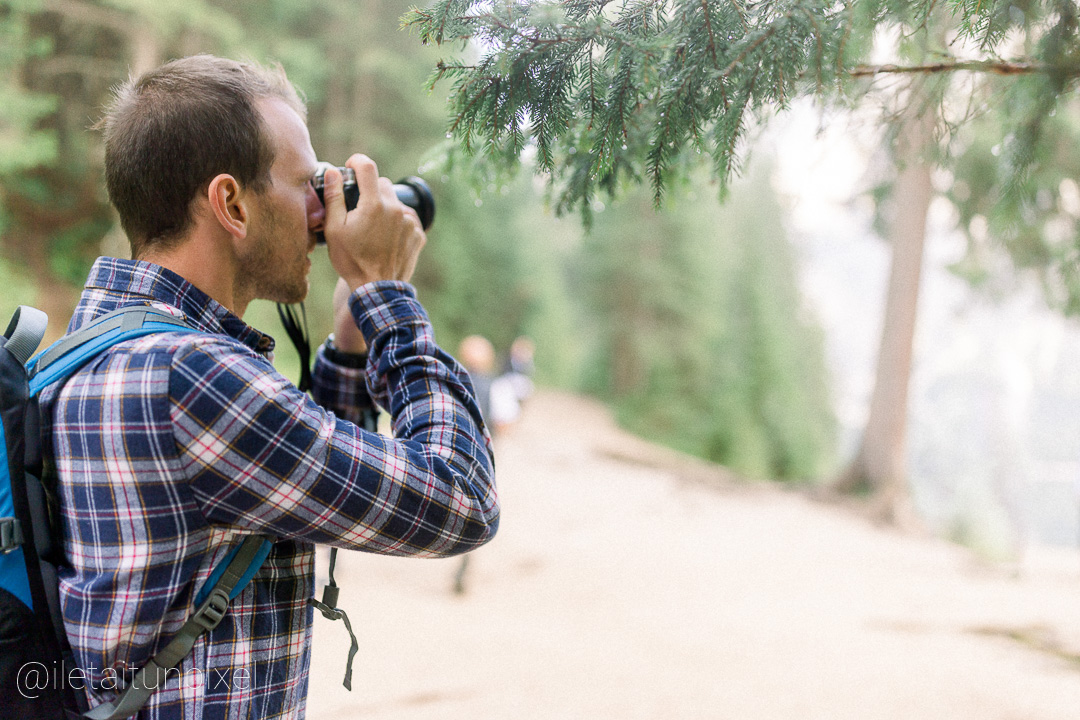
x,y
206,264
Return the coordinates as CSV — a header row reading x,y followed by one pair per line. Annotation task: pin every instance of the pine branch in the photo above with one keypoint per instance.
x,y
997,67
623,90
709,31
758,42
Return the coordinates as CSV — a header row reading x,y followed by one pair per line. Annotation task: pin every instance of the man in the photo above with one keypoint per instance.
x,y
172,448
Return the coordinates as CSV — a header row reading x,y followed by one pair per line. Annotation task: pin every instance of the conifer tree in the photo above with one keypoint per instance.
x,y
615,94
698,334
636,90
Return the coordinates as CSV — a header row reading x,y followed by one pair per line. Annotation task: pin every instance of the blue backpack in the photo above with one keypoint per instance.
x,y
39,679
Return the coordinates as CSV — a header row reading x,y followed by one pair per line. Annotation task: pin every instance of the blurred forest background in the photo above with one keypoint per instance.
x,y
744,333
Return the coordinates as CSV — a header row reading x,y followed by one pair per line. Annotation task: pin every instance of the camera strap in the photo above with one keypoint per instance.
x,y
331,591
296,327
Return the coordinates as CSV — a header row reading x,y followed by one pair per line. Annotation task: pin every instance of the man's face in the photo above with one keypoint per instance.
x,y
286,214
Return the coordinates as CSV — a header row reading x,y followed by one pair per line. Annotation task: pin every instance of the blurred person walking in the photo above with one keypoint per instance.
x,y
498,402
520,367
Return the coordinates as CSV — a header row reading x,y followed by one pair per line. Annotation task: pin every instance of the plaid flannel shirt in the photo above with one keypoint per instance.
x,y
169,449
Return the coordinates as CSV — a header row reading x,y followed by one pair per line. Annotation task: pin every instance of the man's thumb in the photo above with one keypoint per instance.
x,y
333,198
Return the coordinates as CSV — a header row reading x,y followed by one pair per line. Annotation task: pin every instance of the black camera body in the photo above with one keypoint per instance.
x,y
411,191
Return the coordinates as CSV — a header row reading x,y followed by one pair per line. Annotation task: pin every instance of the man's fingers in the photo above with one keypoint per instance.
x,y
412,217
386,190
333,198
367,176
381,238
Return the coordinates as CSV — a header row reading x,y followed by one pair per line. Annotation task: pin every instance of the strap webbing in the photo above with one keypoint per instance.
x,y
329,611
11,534
245,562
70,353
129,317
328,607
296,327
369,421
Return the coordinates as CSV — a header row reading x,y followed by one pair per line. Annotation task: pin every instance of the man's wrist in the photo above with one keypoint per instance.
x,y
332,353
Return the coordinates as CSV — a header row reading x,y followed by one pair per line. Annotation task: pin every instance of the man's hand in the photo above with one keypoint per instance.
x,y
380,239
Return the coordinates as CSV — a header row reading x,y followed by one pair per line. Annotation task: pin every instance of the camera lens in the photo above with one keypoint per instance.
x,y
415,193
411,191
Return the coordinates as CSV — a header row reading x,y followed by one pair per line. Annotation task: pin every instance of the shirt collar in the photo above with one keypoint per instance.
x,y
114,282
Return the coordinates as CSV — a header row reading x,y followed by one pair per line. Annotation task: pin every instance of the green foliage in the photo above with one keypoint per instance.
x,y
610,92
1034,214
701,339
18,290
473,268
704,367
1015,164
613,92
22,143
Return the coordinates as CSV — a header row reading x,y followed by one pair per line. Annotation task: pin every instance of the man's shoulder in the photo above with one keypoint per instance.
x,y
194,355
159,352
176,345
192,334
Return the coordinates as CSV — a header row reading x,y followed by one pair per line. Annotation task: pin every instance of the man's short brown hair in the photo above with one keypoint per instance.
x,y
171,131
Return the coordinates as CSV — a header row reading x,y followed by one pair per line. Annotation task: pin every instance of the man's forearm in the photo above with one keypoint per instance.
x,y
262,455
428,394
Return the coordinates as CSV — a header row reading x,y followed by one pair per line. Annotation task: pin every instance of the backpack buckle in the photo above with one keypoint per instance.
x,y
213,609
11,535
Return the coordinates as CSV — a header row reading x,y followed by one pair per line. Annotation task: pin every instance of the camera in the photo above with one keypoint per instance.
x,y
411,191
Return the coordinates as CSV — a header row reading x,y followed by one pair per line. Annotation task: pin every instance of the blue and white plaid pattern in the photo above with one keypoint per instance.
x,y
171,448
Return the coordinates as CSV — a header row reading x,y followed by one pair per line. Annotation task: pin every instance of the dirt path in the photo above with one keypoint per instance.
x,y
627,583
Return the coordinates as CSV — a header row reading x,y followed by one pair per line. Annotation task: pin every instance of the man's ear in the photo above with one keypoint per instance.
x,y
229,205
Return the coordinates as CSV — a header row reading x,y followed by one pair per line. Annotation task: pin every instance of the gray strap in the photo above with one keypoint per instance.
x,y
154,674
328,607
333,613
128,317
25,331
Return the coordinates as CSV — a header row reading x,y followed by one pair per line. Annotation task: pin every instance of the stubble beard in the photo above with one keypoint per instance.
x,y
273,269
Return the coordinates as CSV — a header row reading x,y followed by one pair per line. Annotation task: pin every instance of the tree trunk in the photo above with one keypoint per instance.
x,y
880,466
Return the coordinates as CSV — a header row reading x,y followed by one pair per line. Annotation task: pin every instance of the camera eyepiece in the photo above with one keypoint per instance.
x,y
411,191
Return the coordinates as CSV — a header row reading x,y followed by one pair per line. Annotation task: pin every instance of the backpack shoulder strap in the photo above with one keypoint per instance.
x,y
239,568
71,352
57,363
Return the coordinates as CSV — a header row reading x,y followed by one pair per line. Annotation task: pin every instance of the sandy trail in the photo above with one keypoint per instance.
x,y
628,583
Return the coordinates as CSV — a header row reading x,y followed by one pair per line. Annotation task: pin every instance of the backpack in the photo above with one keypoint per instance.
x,y
39,679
